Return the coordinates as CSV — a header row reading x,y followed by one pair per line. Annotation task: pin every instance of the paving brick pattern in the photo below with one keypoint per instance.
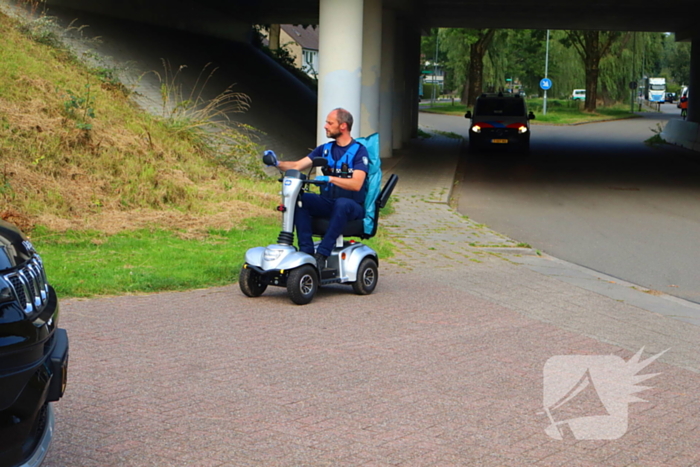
x,y
441,366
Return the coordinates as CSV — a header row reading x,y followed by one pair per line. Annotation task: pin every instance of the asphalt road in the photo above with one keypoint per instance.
x,y
594,195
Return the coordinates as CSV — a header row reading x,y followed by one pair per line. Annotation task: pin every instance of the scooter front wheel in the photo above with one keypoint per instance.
x,y
302,284
251,283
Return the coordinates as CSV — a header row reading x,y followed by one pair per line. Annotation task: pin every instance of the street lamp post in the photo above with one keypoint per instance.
x,y
435,69
546,72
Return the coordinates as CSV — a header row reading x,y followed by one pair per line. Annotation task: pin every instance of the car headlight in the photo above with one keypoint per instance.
x,y
476,129
522,129
6,293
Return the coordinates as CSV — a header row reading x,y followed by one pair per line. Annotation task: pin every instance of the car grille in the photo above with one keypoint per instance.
x,y
30,286
500,132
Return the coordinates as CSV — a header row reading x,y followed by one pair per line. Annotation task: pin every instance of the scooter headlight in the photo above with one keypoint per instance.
x,y
271,254
476,129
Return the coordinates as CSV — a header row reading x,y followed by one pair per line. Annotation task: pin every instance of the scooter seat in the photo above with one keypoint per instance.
x,y
356,228
319,226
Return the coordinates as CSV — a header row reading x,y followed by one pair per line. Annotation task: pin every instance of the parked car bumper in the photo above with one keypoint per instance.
x,y
42,447
30,380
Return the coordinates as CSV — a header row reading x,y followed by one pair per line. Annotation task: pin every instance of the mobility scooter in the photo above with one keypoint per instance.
x,y
351,262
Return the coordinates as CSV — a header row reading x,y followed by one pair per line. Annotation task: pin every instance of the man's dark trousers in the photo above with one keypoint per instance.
x,y
339,211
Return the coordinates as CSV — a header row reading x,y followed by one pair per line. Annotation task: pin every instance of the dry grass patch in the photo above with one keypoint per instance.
x,y
221,216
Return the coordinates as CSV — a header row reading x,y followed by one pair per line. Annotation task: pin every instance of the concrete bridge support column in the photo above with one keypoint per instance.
x,y
386,87
694,85
686,133
399,99
371,67
340,66
412,73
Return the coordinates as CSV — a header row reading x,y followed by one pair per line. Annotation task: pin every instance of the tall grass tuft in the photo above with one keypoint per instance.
x,y
191,111
207,121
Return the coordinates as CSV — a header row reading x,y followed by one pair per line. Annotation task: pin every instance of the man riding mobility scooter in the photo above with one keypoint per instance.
x,y
350,262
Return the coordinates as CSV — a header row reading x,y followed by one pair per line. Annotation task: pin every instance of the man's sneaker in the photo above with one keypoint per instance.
x,y
320,261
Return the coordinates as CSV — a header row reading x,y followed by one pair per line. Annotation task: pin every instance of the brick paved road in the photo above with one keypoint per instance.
x,y
420,373
442,365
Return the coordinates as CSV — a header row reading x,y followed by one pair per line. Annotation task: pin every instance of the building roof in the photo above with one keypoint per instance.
x,y
306,37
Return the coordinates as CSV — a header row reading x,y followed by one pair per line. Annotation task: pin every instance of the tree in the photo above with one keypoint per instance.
x,y
465,50
521,53
679,64
475,79
677,60
591,46
428,59
617,70
454,54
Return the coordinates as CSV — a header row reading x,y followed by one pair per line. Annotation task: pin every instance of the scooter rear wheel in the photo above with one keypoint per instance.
x,y
302,284
251,283
367,277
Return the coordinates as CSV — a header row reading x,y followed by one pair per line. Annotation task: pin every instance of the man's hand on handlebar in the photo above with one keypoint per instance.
x,y
270,158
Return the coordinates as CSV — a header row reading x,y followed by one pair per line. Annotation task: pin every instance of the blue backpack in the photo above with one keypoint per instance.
x,y
374,180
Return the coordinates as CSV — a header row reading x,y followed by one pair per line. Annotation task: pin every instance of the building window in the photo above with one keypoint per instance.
x,y
310,65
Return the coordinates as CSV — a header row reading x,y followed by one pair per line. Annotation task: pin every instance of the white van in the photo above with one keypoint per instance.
x,y
578,94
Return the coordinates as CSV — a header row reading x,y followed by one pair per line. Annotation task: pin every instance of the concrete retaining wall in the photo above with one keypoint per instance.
x,y
177,14
682,133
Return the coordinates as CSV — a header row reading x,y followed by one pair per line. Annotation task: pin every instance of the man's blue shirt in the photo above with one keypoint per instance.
x,y
360,162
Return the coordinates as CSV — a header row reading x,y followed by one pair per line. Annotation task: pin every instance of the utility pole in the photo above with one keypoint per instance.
x,y
435,69
634,72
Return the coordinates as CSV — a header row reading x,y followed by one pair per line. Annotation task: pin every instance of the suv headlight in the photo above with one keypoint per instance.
x,y
522,129
6,293
476,129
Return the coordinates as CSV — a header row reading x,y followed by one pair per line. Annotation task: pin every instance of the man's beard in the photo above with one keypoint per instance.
x,y
330,134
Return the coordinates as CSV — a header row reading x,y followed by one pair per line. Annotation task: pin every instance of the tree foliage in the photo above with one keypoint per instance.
x,y
455,46
603,62
676,61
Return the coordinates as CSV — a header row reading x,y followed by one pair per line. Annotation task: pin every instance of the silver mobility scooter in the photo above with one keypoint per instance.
x,y
282,265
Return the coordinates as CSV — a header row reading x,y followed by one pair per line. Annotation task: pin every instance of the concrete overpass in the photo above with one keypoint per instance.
x,y
370,48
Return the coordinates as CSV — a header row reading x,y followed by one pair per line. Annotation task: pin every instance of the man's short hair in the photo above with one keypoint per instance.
x,y
344,116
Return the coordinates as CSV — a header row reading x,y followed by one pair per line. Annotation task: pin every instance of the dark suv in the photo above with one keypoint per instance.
x,y
33,352
500,120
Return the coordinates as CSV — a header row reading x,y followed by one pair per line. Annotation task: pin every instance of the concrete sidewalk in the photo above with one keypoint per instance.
x,y
427,224
445,364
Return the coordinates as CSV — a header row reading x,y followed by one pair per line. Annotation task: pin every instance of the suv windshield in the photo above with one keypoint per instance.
x,y
502,107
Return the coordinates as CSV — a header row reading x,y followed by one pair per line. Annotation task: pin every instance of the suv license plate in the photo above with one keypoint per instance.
x,y
499,141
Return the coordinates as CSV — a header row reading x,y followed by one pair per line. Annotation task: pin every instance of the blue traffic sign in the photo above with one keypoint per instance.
x,y
546,83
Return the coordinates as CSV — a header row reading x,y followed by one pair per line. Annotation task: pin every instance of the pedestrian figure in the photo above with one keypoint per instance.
x,y
684,105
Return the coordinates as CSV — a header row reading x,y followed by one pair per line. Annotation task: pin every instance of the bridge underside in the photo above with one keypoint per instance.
x,y
370,49
619,15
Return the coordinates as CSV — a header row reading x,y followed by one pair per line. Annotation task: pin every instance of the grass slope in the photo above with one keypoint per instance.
x,y
77,153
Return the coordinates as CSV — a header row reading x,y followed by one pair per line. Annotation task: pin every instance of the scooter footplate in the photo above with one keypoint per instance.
x,y
329,274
